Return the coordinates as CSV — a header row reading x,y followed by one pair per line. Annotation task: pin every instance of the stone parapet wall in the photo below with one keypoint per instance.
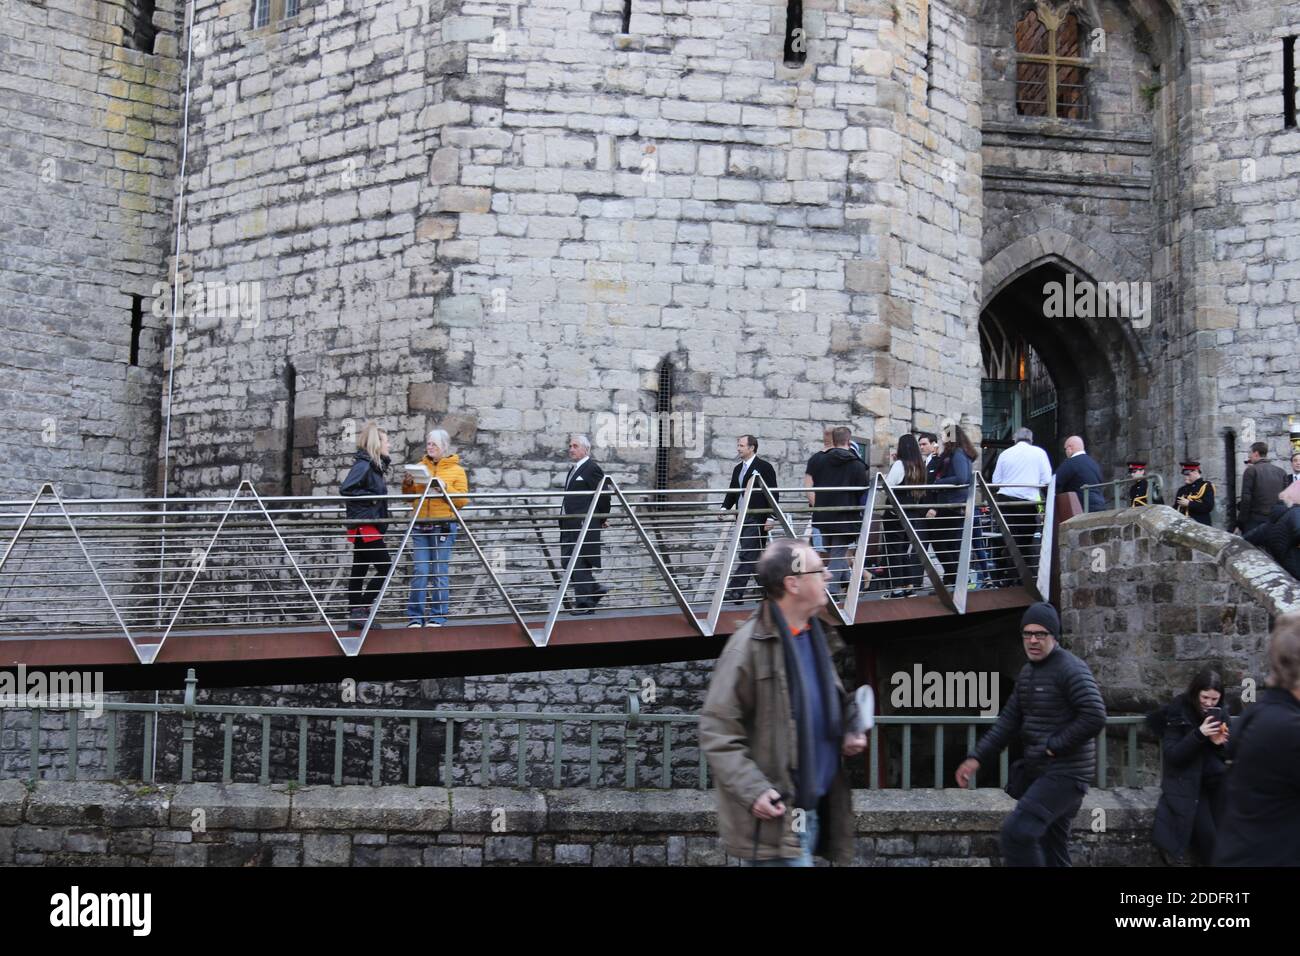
x,y
1149,596
54,824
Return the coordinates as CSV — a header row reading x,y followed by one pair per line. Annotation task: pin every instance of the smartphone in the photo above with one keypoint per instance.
x,y
1218,713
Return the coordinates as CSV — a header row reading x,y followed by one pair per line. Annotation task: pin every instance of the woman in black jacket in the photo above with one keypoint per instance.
x,y
956,469
367,515
1191,789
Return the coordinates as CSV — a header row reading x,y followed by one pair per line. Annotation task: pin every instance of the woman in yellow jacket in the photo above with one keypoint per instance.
x,y
434,532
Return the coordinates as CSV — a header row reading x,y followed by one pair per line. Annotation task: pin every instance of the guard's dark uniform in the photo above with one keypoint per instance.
x,y
1139,493
1200,495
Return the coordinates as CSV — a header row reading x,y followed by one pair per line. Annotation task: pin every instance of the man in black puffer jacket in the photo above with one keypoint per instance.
x,y
1057,710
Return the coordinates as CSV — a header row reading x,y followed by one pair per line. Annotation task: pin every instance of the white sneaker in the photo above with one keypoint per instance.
x,y
433,624
414,624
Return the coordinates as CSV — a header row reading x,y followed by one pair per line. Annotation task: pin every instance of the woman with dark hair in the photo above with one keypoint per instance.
x,y
1192,730
908,469
956,468
367,520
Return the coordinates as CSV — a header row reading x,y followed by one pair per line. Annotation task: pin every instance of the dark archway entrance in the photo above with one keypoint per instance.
x,y
1060,376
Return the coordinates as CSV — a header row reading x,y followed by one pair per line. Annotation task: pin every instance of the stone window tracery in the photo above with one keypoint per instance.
x,y
1051,70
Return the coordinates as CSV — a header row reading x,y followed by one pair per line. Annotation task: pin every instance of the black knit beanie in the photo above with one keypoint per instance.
x,y
1044,615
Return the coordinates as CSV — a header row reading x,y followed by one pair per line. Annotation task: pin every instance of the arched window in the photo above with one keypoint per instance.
x,y
1051,71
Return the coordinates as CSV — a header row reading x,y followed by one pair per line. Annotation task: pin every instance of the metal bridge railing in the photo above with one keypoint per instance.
x,y
143,568
566,752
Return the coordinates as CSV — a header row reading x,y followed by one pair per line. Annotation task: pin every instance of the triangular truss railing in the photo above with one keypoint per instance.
x,y
142,652
705,622
201,566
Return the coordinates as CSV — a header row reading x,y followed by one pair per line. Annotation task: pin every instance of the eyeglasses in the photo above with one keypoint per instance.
x,y
821,570
1028,634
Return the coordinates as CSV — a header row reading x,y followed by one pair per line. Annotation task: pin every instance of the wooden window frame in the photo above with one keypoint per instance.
x,y
1051,21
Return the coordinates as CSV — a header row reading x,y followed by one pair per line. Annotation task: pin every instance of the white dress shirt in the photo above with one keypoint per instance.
x,y
1022,464
574,470
744,469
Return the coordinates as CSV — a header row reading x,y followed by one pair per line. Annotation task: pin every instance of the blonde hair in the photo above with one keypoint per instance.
x,y
371,440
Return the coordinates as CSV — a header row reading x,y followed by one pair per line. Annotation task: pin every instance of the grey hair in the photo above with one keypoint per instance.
x,y
582,440
440,436
1023,434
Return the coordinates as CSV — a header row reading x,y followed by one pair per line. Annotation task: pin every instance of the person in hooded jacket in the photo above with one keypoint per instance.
x,y
435,531
1192,738
837,467
367,520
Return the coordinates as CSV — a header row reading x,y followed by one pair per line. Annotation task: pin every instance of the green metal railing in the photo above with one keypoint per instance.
x,y
1128,723
1119,491
670,738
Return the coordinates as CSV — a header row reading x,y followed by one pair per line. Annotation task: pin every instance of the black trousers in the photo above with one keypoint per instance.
x,y
1022,519
584,584
1205,826
365,556
752,537
904,566
1037,831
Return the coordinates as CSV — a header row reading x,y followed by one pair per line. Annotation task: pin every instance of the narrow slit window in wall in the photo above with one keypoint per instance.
x,y
929,58
291,386
663,409
139,31
1288,82
796,37
137,326
627,16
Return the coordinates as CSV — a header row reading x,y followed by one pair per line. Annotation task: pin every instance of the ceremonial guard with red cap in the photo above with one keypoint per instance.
x,y
1196,498
1140,492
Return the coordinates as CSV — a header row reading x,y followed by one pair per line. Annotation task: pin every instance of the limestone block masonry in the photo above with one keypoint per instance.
x,y
88,159
79,824
504,217
1148,597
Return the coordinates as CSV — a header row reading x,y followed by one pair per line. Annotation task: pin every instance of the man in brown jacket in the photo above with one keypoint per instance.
x,y
775,723
1261,483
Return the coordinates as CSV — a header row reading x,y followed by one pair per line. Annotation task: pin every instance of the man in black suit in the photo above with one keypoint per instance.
x,y
929,445
1079,469
584,475
759,517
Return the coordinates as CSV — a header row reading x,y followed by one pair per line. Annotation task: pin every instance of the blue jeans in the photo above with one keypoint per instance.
x,y
807,843
428,600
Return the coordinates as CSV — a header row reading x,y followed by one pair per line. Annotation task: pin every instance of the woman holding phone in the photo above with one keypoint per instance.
x,y
1193,730
435,530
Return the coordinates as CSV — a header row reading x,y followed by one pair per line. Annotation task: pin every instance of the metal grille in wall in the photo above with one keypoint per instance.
x,y
663,408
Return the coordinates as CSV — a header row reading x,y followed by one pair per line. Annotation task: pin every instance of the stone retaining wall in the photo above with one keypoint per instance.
x,y
79,824
1148,597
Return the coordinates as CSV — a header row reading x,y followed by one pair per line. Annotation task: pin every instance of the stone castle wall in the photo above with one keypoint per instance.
x,y
504,217
88,159
1239,239
250,825
1149,597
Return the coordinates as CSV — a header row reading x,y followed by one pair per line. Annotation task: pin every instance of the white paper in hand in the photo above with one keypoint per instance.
x,y
865,699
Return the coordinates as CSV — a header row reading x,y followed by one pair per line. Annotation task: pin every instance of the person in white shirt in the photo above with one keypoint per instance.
x,y
1019,472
